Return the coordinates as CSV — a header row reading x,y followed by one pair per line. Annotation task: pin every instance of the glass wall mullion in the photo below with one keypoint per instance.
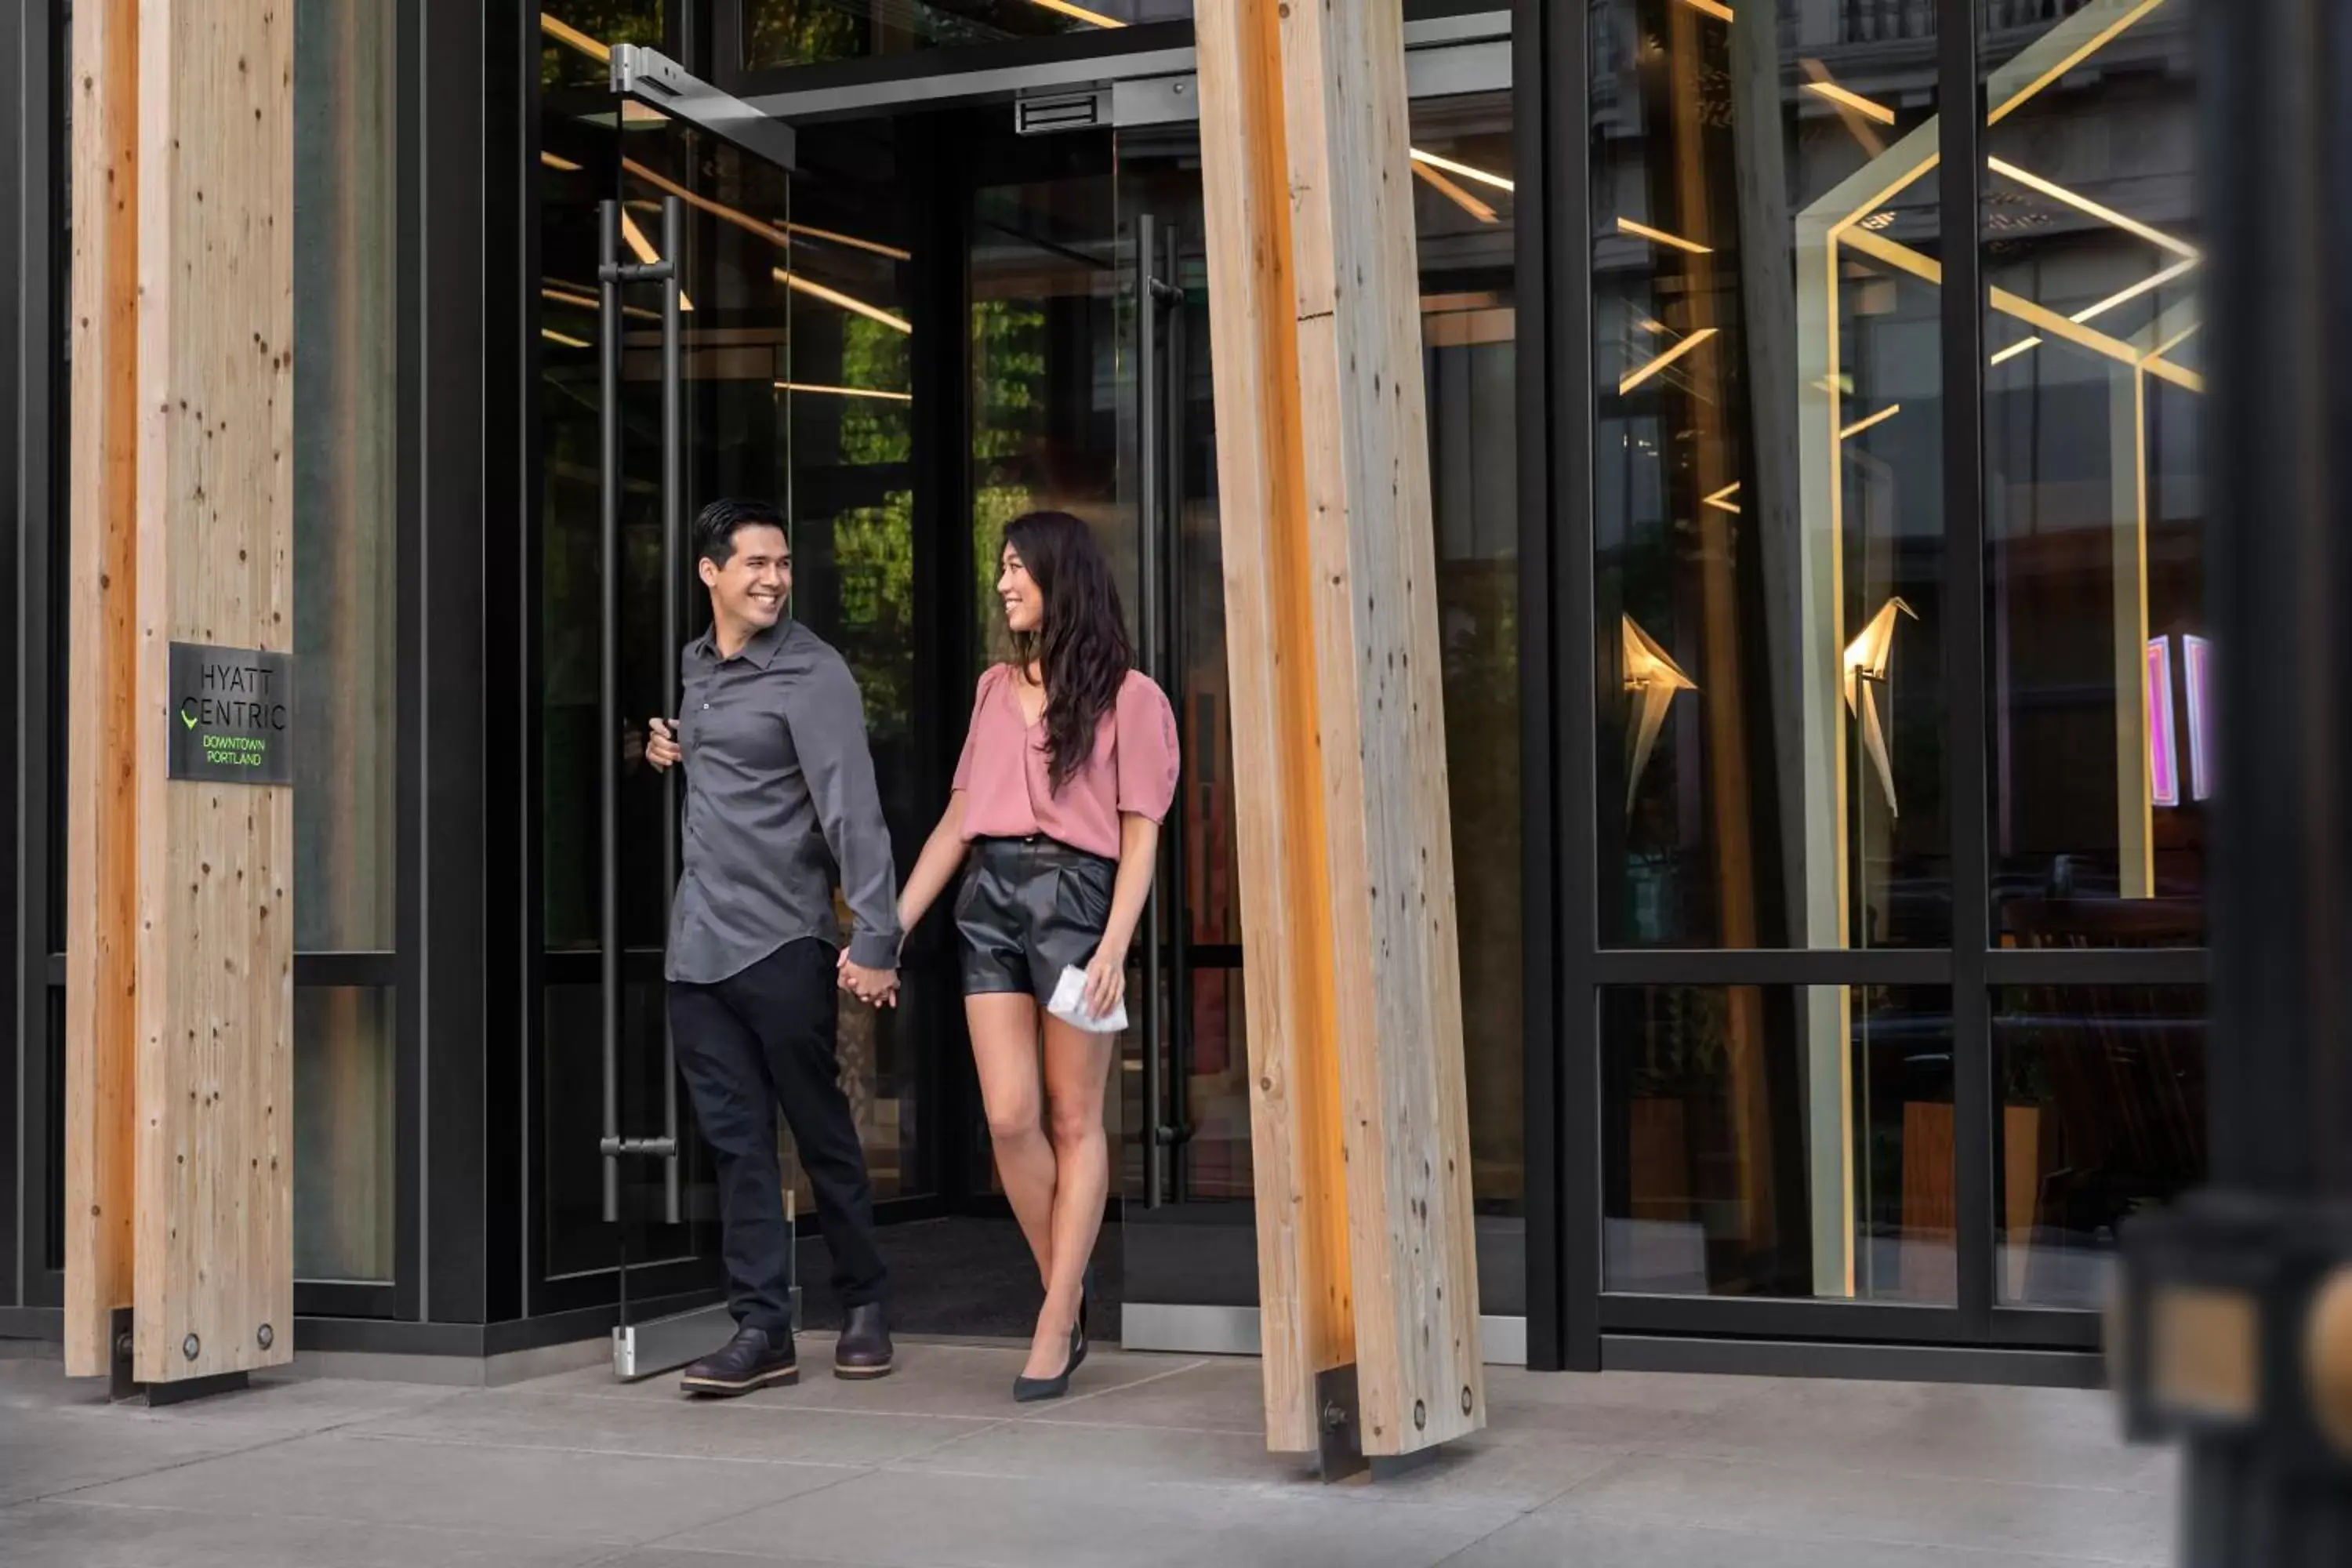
x,y
1567,220
1963,653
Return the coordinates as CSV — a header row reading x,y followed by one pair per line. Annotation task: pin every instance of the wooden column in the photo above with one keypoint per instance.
x,y
1361,1126
101,828
180,1003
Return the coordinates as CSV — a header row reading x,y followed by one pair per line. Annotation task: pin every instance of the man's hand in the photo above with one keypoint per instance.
x,y
875,987
661,744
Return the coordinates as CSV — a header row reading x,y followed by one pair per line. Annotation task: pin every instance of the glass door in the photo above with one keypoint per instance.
x,y
668,287
1189,1236
1189,1231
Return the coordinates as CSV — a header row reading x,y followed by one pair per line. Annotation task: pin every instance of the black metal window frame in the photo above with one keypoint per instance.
x,y
1572,1318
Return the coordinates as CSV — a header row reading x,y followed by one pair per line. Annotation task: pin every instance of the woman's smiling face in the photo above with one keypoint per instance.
x,y
1024,601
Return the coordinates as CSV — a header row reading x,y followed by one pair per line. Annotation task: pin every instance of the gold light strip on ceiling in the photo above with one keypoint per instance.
x,y
846,302
845,391
1859,425
2156,356
1467,171
2057,192
566,339
2092,312
1868,108
1900,256
637,241
2091,338
566,34
1634,378
580,298
740,219
876,245
2091,45
774,235
1721,500
1930,270
1065,8
2154,280
1715,9
1659,235
1854,120
1454,193
553,162
646,254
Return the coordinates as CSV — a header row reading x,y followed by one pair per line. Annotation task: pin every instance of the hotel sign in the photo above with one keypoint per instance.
x,y
232,718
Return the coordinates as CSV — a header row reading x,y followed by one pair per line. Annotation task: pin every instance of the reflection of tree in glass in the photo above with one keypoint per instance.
x,y
790,33
1008,340
874,359
1683,1050
874,554
609,22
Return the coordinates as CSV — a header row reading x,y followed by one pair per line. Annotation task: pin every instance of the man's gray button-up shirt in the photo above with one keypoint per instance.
x,y
780,797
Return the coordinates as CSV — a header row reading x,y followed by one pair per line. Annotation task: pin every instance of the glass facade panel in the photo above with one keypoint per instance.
x,y
1043,282
846,394
1465,211
346,575
344,1174
2100,663
1778,1142
2103,1115
804,32
1768,498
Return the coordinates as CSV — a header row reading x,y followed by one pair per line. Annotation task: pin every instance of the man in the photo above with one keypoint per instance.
x,y
779,793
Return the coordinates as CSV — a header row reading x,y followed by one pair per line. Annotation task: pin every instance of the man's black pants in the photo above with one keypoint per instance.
x,y
750,1041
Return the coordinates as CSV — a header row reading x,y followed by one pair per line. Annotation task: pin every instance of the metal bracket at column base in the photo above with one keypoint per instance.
x,y
1338,1424
122,1386
2233,1319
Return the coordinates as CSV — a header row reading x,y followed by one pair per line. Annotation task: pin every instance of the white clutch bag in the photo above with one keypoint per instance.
x,y
1070,1005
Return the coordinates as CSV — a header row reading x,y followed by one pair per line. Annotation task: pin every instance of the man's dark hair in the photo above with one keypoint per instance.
x,y
715,529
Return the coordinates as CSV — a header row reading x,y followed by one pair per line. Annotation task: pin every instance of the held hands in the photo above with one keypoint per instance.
x,y
875,987
661,744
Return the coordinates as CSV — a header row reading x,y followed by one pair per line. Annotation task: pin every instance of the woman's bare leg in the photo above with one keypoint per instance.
x,y
1077,1070
1004,1049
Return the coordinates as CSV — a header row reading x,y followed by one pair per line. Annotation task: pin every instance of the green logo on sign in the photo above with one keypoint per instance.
x,y
187,718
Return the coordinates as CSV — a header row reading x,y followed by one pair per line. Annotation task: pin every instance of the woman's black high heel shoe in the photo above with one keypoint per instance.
x,y
1030,1389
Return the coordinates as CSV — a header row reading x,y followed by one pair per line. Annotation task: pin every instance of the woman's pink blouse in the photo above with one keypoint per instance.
x,y
1005,771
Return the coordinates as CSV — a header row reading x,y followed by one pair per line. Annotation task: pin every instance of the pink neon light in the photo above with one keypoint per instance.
x,y
2196,660
2163,772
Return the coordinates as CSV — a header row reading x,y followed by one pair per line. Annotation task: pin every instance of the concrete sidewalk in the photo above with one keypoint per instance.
x,y
1155,1460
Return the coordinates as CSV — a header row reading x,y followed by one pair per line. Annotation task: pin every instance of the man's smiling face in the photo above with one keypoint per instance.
x,y
752,588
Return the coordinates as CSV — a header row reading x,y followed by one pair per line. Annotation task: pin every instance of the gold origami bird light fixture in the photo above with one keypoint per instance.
x,y
1870,657
1651,677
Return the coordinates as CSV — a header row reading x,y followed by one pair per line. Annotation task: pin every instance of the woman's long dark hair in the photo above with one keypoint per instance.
x,y
1082,648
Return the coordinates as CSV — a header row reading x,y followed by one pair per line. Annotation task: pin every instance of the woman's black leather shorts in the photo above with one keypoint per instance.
x,y
1029,908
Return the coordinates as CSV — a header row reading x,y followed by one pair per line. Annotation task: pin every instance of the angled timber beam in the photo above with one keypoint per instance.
x,y
1360,1114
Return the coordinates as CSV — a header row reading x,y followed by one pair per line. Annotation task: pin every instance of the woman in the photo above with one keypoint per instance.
x,y
1068,770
